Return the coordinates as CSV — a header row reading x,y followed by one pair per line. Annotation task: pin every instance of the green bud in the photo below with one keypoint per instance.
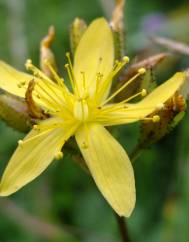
x,y
77,29
118,29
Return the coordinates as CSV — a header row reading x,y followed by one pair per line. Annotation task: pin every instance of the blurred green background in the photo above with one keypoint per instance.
x,y
63,204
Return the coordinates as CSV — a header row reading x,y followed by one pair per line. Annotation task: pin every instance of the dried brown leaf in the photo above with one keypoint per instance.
x,y
172,45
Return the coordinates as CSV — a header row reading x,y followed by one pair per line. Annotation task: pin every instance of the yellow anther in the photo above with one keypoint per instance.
x,y
35,127
58,155
28,64
142,71
160,106
126,59
20,142
68,54
156,118
143,92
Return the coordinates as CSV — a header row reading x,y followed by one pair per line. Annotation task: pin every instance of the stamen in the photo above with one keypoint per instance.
x,y
51,99
142,93
112,120
36,71
20,142
35,127
117,67
140,72
70,71
154,119
160,106
69,60
126,59
58,155
59,80
67,66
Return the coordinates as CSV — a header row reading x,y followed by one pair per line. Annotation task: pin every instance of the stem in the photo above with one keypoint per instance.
x,y
122,228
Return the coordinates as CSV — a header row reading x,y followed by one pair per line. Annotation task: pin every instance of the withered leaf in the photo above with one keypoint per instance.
x,y
146,81
172,45
170,116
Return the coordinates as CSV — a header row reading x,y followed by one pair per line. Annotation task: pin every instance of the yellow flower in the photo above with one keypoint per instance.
x,y
83,112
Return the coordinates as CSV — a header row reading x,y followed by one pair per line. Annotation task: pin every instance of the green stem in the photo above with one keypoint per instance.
x,y
122,228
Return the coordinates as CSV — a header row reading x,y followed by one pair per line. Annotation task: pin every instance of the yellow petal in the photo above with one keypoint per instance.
x,y
10,79
33,155
149,104
94,54
109,166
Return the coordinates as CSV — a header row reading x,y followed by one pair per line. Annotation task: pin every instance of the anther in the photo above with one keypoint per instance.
x,y
142,71
20,142
58,155
35,127
28,64
160,106
67,54
143,92
156,118
126,59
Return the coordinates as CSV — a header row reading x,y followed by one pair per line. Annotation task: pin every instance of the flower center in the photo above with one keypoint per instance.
x,y
81,110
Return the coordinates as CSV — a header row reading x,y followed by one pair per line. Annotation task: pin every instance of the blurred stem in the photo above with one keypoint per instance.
x,y
122,228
